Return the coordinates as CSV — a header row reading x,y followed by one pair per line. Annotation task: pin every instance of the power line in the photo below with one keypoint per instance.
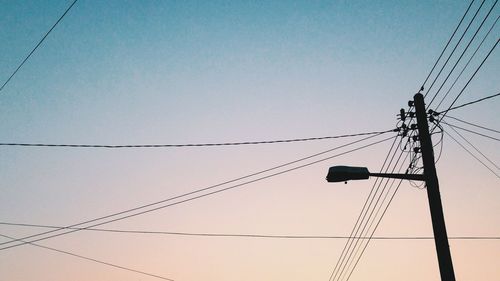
x,y
467,84
347,252
472,154
469,103
472,124
456,46
448,43
207,188
188,199
380,219
355,249
189,144
469,61
251,235
37,45
464,51
91,259
354,229
470,131
475,148
371,237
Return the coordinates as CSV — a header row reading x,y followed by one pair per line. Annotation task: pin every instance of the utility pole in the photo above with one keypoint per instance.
x,y
431,181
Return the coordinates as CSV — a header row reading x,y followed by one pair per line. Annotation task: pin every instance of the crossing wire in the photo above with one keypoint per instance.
x,y
191,198
37,45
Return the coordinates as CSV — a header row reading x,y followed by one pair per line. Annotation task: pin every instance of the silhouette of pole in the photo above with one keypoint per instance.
x,y
431,181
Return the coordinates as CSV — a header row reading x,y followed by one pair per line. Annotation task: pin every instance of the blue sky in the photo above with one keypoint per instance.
x,y
132,72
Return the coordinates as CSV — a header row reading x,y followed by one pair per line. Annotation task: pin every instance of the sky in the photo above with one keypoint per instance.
x,y
176,72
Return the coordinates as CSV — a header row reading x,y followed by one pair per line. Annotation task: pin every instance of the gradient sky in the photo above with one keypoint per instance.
x,y
133,72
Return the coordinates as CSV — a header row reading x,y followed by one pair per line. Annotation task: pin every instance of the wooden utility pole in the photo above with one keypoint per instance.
x,y
431,181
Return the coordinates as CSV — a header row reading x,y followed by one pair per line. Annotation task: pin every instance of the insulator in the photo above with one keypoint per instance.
x,y
402,114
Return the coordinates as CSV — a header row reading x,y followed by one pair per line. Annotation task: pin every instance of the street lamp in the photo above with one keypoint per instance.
x,y
346,173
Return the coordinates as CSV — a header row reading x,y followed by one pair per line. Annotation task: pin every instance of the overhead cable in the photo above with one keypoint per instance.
x,y
205,189
191,144
469,103
37,45
471,131
250,235
360,221
355,249
475,148
472,154
448,43
91,259
468,62
456,46
190,198
472,124
467,84
463,52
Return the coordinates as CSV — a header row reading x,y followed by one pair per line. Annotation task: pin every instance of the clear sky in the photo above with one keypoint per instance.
x,y
143,72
